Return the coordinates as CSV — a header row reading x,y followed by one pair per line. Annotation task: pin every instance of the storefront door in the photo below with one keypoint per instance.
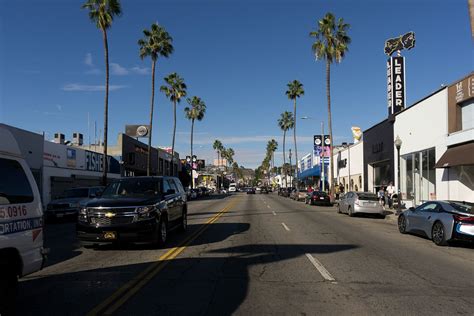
x,y
418,183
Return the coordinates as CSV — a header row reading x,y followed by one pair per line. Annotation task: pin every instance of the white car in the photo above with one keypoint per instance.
x,y
233,187
21,221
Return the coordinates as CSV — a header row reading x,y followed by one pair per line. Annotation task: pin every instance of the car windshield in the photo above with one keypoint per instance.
x,y
462,207
367,196
133,188
76,193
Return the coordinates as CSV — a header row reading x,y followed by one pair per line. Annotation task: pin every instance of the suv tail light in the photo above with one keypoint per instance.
x,y
460,218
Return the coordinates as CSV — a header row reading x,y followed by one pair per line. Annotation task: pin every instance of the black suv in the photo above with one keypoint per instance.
x,y
136,209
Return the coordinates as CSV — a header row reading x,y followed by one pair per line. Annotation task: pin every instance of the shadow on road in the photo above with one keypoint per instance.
x,y
215,283
61,241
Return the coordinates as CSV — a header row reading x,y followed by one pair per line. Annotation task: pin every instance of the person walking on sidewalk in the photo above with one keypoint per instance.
x,y
390,193
381,196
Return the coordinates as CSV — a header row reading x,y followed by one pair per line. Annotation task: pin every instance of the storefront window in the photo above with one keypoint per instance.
x,y
382,175
418,176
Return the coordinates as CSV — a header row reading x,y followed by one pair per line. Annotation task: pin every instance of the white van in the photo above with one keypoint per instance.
x,y
21,221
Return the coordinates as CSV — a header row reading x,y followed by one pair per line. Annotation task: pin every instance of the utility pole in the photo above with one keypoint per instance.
x,y
291,172
323,186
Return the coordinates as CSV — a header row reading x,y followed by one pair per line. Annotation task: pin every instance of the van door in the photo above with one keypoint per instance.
x,y
21,222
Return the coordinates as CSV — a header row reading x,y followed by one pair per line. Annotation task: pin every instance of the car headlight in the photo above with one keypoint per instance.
x,y
145,212
82,215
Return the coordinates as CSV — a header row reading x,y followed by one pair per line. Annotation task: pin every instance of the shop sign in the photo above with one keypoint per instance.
x,y
395,84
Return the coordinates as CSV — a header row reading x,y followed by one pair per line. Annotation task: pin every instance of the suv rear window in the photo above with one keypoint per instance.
x,y
14,185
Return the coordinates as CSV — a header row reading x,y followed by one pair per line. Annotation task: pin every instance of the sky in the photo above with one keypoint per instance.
x,y
237,56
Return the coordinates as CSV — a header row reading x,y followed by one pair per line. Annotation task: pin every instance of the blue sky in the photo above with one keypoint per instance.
x,y
236,55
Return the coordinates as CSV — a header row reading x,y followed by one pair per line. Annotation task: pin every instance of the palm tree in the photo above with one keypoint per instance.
x,y
332,43
295,90
285,122
218,147
174,90
230,156
195,112
102,13
272,146
156,43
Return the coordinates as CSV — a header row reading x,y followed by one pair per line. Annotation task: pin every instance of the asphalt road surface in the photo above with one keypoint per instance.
x,y
256,255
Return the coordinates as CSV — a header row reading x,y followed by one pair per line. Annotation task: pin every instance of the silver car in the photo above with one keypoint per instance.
x,y
441,221
360,202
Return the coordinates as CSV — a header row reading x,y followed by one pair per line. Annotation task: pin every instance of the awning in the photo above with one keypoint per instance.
x,y
461,155
313,172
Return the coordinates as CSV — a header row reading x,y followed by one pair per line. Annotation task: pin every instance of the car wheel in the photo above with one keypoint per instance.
x,y
8,291
350,212
438,234
402,224
184,221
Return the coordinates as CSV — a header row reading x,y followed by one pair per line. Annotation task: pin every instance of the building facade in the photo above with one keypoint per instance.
x,y
349,165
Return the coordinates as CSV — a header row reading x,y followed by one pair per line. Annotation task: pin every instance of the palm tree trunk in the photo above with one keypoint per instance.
x,y
284,159
294,138
328,92
192,163
106,107
174,133
148,168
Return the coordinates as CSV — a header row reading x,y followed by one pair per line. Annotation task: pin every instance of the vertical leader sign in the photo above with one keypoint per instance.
x,y
395,84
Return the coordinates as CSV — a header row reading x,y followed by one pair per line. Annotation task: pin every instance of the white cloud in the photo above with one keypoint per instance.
x,y
118,70
88,60
90,88
59,107
93,71
140,70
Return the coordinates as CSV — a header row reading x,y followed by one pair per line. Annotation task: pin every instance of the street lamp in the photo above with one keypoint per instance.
x,y
291,181
398,145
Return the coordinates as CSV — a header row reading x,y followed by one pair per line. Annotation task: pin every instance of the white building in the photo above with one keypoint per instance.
x,y
349,164
427,169
67,167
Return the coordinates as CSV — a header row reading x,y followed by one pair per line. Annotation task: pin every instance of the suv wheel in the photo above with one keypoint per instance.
x,y
184,221
161,233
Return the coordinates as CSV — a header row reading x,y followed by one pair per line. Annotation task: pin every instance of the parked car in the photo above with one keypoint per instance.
x,y
194,193
300,195
360,202
293,194
441,221
287,192
135,209
71,202
263,190
318,198
21,233
250,190
204,191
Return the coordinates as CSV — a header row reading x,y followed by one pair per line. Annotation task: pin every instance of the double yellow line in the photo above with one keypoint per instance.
x,y
123,294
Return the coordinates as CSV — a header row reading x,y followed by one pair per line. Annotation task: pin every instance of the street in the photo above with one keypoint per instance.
x,y
259,255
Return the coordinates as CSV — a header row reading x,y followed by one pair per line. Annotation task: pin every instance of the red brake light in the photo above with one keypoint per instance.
x,y
459,218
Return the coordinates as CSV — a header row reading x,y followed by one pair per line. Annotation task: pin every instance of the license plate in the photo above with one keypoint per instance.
x,y
321,198
59,215
110,235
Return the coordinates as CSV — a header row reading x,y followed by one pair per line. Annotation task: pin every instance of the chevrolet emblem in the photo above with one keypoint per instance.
x,y
109,214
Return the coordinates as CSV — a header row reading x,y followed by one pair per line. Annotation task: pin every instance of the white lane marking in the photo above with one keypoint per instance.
x,y
274,213
268,206
286,227
318,265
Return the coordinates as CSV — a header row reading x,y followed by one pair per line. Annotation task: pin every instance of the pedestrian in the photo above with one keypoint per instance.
x,y
380,195
390,193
